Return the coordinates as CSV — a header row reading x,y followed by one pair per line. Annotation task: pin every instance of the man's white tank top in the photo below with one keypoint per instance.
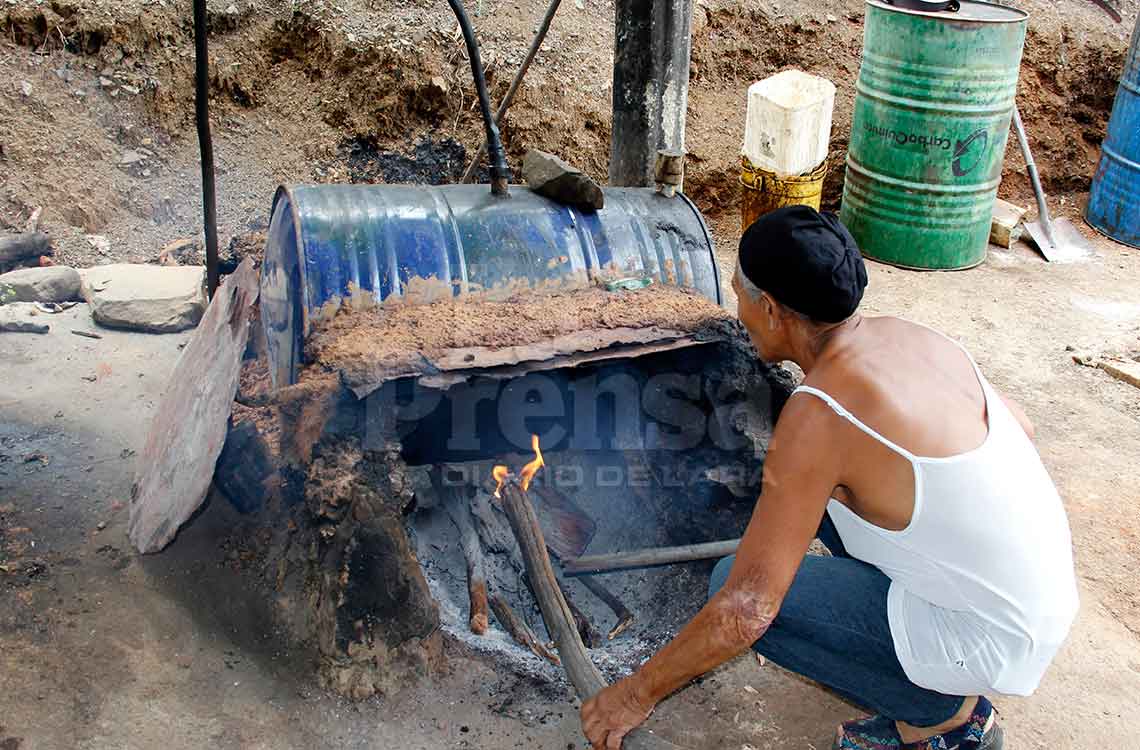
x,y
983,589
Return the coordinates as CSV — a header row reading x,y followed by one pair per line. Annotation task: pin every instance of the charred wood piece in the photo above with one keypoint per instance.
x,y
568,528
459,509
586,630
621,612
520,631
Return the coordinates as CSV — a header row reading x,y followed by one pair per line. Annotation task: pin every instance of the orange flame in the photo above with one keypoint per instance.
x,y
531,468
500,473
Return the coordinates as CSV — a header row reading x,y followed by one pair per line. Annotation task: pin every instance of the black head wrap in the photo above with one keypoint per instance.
x,y
807,260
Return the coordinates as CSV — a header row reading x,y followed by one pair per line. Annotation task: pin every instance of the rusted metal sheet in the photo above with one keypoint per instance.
x,y
445,380
569,350
176,464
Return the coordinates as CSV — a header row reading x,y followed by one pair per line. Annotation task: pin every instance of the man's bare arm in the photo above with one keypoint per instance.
x,y
800,471
802,467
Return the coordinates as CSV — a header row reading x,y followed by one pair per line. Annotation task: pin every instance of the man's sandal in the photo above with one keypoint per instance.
x,y
980,732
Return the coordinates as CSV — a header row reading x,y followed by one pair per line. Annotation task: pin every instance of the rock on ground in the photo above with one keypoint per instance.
x,y
22,317
47,284
157,299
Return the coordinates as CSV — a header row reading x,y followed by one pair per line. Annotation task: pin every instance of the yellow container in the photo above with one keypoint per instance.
x,y
763,191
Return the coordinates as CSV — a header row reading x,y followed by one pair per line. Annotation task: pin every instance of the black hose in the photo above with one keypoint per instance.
x,y
205,146
535,44
500,172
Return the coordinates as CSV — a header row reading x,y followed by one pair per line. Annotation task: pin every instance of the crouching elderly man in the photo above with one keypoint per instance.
x,y
951,572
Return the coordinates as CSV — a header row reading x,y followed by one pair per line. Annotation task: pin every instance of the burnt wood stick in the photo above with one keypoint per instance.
x,y
460,511
585,677
568,528
623,615
648,558
553,498
590,635
16,248
520,631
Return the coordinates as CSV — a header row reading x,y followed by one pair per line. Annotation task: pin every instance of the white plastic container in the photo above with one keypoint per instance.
x,y
788,124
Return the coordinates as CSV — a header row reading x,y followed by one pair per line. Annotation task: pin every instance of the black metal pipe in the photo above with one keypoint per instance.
x,y
500,172
205,145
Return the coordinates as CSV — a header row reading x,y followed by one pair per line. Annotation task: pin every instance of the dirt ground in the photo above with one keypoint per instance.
x,y
96,108
100,648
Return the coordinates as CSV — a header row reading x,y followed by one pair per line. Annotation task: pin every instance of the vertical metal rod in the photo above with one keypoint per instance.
x,y
500,173
205,145
535,44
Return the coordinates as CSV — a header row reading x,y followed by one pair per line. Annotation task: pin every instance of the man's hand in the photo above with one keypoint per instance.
x,y
613,713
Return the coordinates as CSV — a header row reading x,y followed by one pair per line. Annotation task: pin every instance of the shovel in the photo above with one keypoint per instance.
x,y
1059,241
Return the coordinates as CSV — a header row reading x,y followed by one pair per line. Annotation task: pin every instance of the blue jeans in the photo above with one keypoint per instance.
x,y
832,628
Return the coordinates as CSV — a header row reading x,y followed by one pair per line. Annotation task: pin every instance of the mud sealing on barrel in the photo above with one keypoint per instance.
x,y
384,342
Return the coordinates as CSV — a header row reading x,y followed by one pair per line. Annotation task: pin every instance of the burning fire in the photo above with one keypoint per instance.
x,y
531,468
500,473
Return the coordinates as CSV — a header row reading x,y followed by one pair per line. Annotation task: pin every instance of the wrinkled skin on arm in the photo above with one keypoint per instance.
x,y
803,466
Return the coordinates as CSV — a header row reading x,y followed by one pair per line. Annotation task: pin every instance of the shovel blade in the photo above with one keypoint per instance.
x,y
1068,244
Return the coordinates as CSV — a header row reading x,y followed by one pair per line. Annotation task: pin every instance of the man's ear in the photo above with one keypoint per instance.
x,y
770,311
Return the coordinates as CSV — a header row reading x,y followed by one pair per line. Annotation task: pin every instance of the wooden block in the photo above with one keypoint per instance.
x,y
1123,369
670,167
1006,227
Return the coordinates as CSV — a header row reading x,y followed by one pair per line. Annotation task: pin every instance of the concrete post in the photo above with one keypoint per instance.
x,y
651,86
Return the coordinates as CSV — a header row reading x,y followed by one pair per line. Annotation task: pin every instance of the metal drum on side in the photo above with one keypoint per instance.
x,y
932,113
329,243
1114,200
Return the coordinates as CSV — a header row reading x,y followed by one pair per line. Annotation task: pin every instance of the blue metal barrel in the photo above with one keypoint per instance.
x,y
419,243
1114,200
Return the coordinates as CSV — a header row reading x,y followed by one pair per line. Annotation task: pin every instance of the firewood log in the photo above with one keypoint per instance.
x,y
520,631
458,507
585,677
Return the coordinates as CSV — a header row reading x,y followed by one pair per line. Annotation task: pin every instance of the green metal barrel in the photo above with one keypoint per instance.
x,y
932,111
